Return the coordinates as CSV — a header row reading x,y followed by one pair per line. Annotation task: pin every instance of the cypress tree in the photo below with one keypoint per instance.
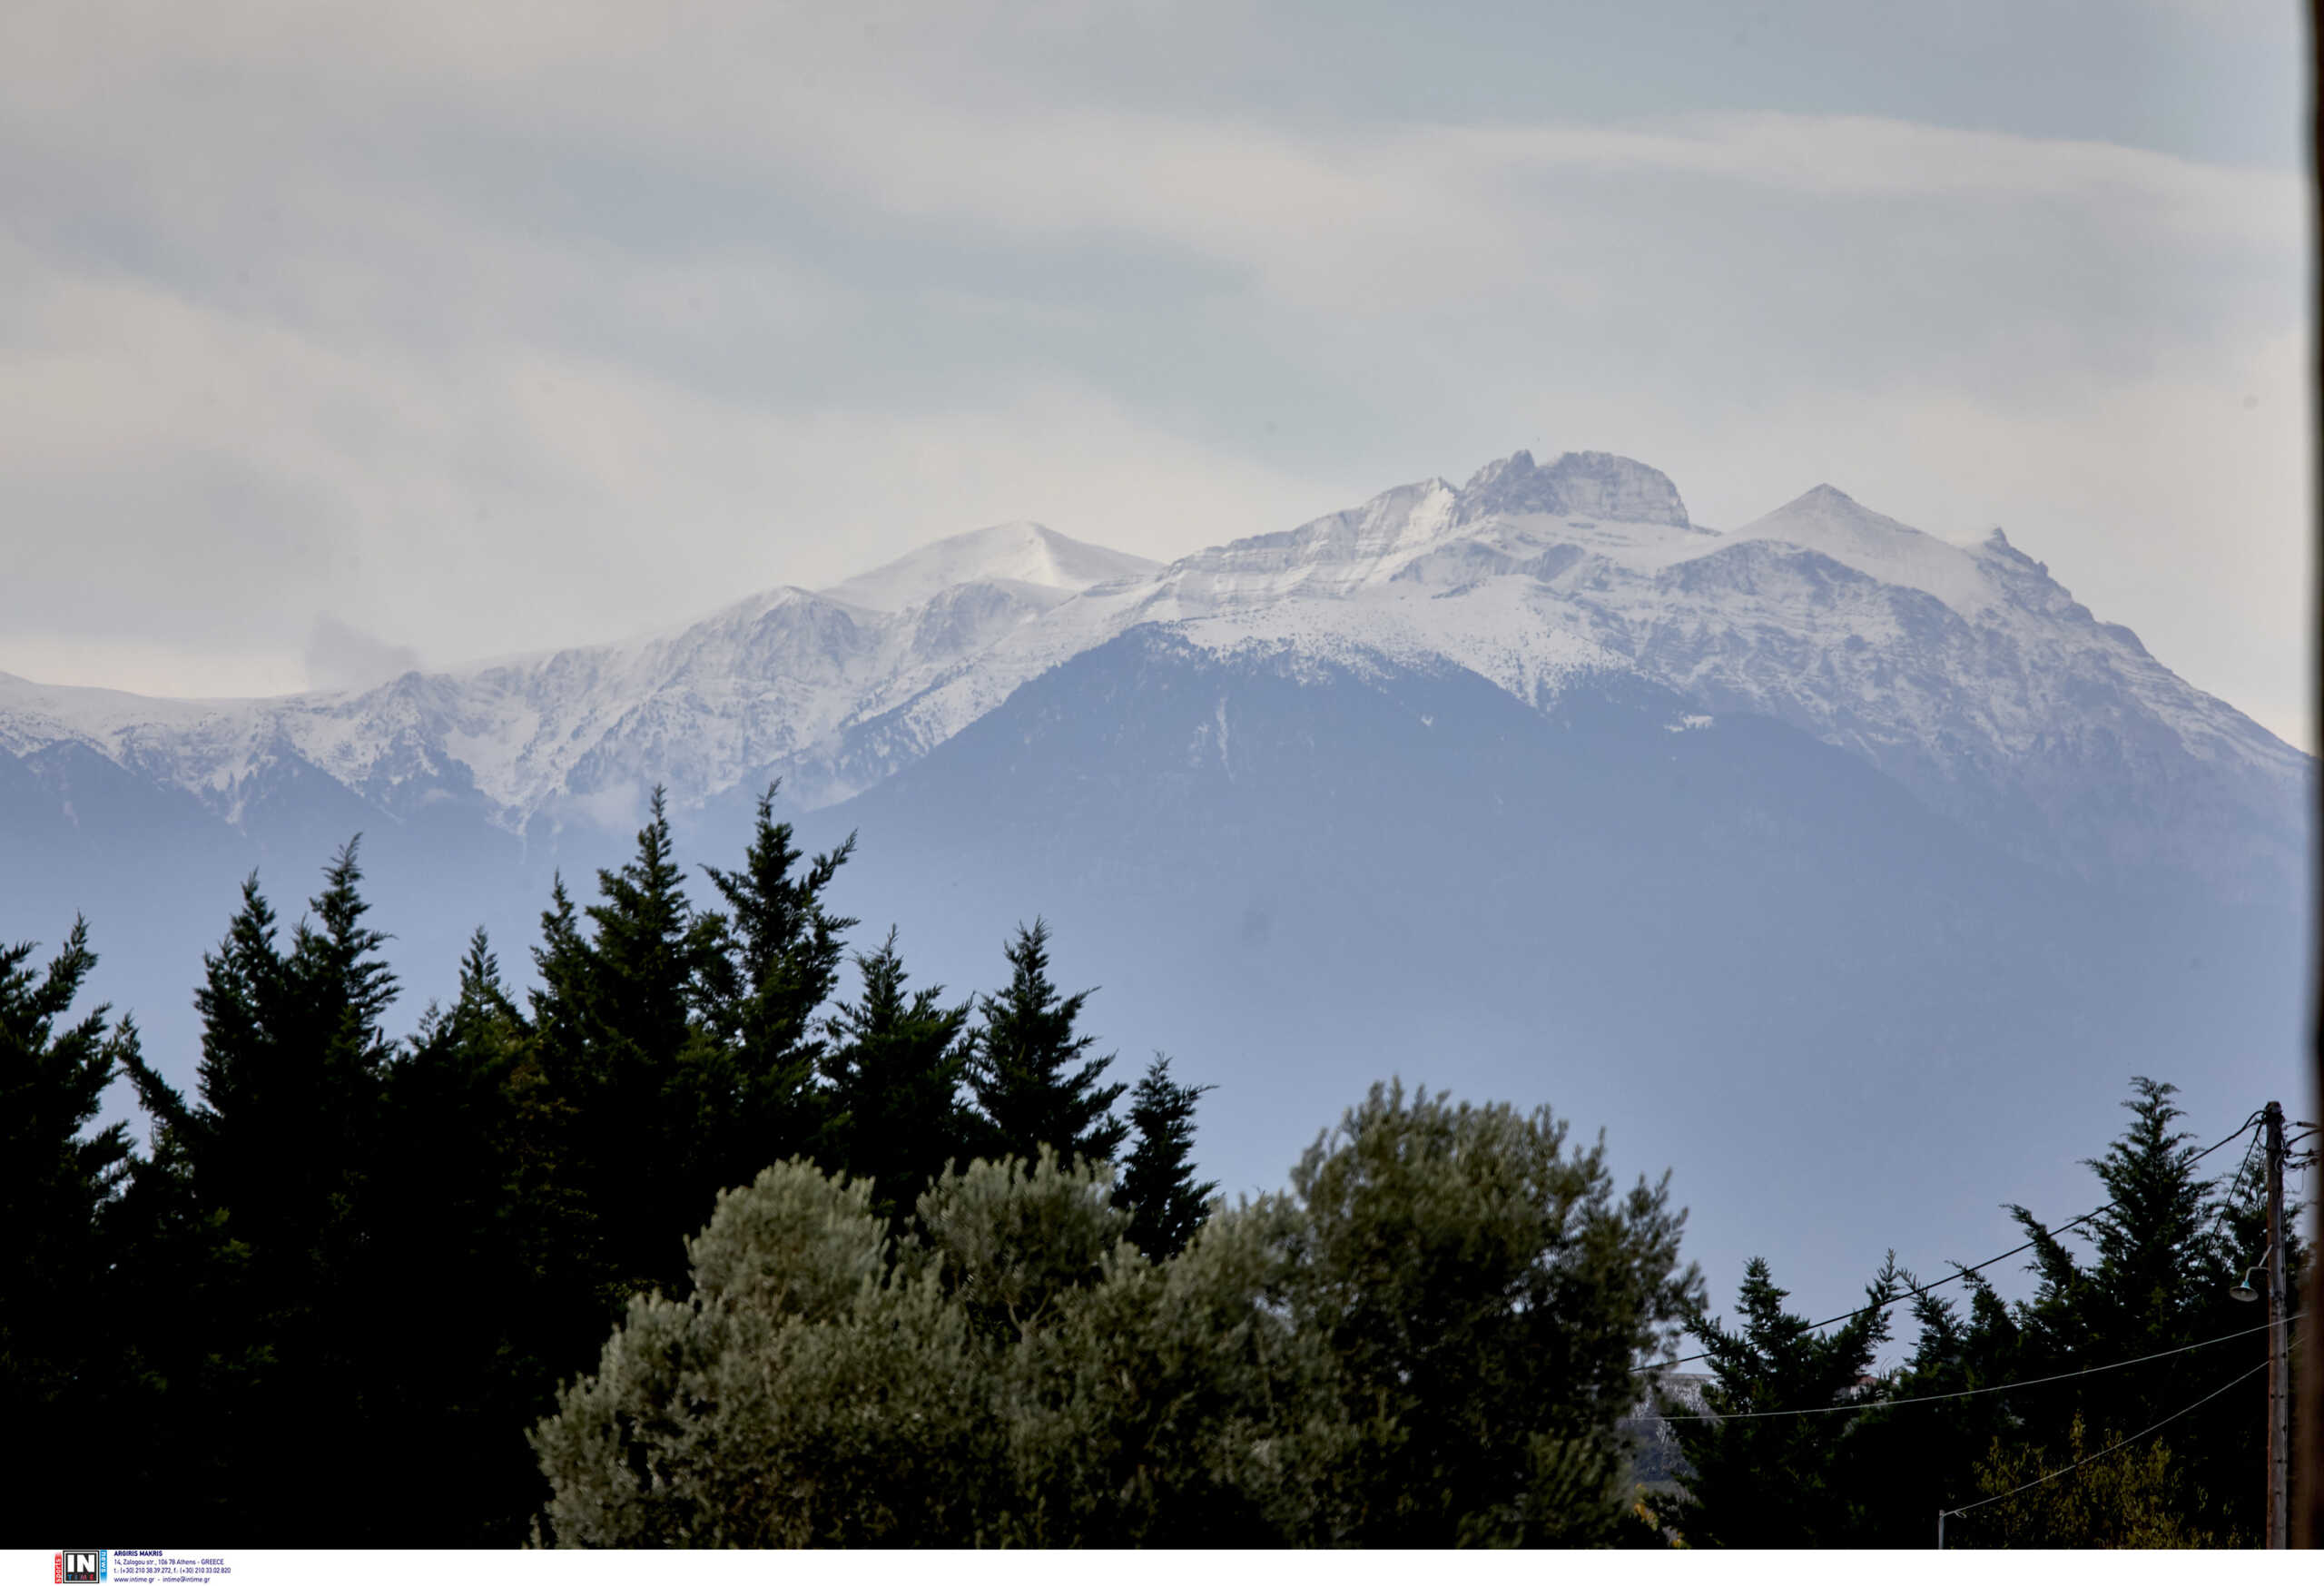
x,y
1033,1085
1157,1187
896,1064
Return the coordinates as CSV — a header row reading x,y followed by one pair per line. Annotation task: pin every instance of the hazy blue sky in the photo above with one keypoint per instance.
x,y
334,336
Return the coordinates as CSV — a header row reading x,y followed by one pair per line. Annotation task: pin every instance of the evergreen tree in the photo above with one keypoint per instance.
x,y
648,958
262,1216
557,1090
752,1087
616,1018
61,1182
1033,1085
461,1209
1781,1480
1157,1184
2167,1247
896,1064
2158,1267
292,1060
1903,1463
561,1002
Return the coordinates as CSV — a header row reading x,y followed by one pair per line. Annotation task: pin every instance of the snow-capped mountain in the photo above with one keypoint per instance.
x,y
1965,672
576,733
1019,555
1530,786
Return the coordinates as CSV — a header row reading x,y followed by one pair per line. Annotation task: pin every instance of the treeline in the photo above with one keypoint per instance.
x,y
347,1278
715,1237
2148,1313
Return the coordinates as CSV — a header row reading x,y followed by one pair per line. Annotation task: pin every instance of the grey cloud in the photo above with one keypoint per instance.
x,y
540,324
340,656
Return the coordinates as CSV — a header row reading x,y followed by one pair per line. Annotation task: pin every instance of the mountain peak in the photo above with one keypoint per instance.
x,y
1828,507
1834,524
1517,464
1831,502
1021,553
1580,484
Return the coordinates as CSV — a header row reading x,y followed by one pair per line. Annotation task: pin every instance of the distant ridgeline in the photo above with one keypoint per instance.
x,y
1820,830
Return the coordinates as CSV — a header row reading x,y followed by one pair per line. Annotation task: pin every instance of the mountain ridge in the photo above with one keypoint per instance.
x,y
1021,553
1694,835
1965,672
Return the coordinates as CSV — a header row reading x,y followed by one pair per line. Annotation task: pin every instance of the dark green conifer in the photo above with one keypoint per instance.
x,y
471,1199
262,1216
895,1067
293,1061
1033,1085
2167,1247
2153,1239
648,958
59,1180
617,1021
1779,1481
1157,1184
776,964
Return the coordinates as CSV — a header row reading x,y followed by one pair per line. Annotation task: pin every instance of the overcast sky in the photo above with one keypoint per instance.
x,y
335,338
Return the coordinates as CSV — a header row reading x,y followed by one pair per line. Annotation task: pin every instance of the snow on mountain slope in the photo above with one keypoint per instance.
x,y
1827,520
1966,673
1007,553
575,733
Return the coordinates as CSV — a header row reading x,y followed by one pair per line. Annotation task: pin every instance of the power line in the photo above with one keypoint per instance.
x,y
2102,1454
1970,1392
2235,1183
1958,1273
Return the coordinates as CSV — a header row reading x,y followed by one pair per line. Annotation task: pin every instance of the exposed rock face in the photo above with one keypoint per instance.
x,y
1580,484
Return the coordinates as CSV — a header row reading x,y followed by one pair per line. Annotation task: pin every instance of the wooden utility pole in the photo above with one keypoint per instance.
x,y
2279,1357
2308,1526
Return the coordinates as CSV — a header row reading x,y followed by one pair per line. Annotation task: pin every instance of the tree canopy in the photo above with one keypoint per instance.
x,y
1356,1362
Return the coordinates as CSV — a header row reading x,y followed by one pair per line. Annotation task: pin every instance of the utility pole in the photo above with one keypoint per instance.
x,y
2279,1357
